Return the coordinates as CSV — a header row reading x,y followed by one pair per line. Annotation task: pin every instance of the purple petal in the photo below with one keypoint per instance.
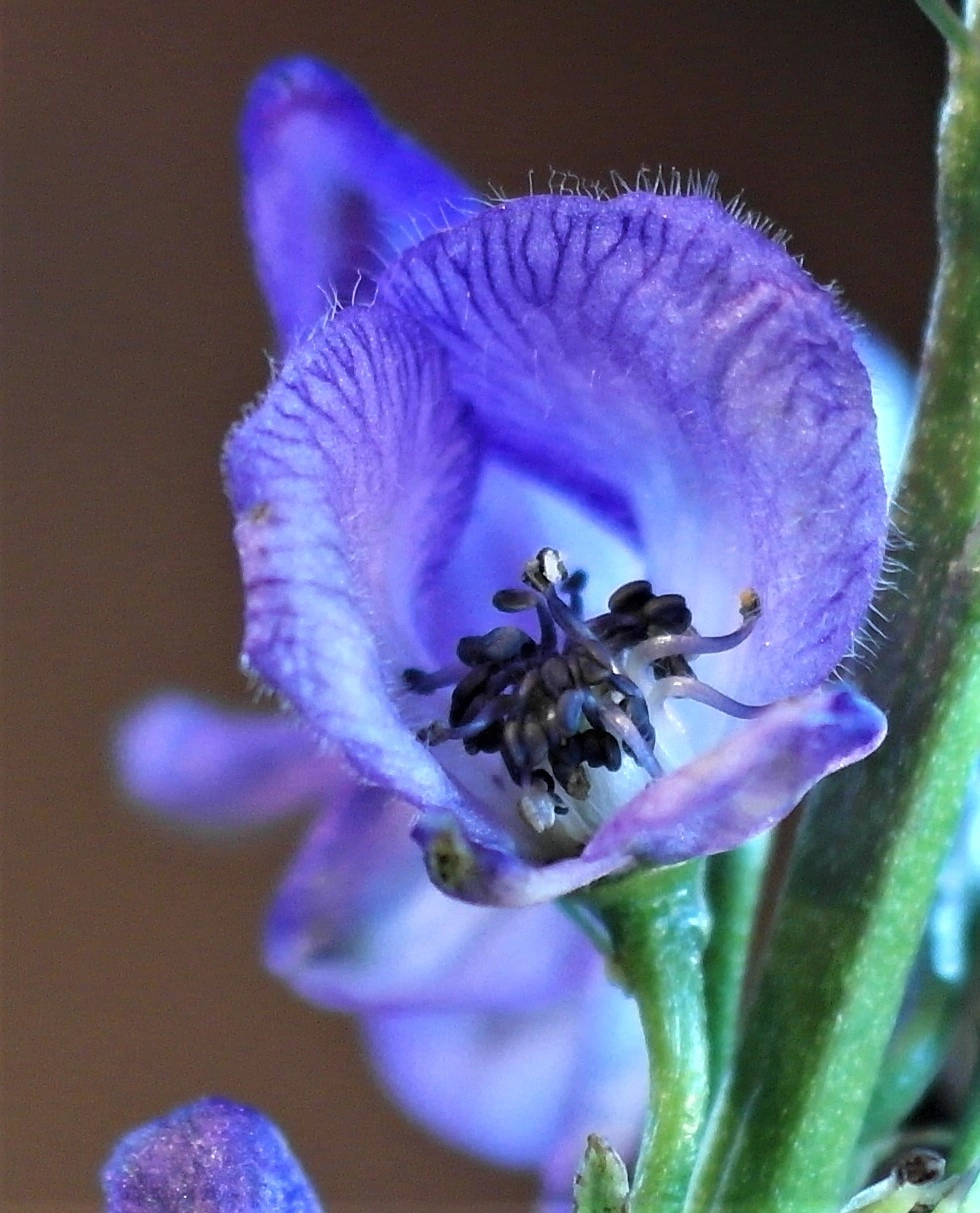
x,y
215,769
350,483
331,191
746,784
731,793
660,358
212,1156
516,1088
489,872
357,926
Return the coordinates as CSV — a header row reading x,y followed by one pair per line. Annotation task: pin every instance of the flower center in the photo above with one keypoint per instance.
x,y
571,709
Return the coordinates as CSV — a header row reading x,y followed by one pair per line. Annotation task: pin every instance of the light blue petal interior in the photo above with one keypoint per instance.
x,y
893,394
513,517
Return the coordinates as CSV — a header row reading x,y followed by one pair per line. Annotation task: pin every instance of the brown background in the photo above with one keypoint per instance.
x,y
133,334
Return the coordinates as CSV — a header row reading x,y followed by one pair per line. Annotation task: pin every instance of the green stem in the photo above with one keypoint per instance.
x,y
658,924
734,881
947,23
864,870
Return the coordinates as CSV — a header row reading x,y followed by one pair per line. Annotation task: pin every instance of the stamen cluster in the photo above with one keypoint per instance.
x,y
556,707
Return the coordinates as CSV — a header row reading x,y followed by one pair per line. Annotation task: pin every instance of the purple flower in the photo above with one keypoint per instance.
x,y
212,1156
645,383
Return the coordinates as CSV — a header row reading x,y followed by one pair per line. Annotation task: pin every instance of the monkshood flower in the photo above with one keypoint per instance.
x,y
212,1156
433,500
644,383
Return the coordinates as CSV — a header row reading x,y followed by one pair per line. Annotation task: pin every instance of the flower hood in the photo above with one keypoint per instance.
x,y
648,375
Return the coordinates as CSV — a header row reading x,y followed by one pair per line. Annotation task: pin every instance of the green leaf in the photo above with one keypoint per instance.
x,y
863,873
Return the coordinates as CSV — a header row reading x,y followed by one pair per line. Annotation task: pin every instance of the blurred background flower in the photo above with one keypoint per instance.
x,y
134,331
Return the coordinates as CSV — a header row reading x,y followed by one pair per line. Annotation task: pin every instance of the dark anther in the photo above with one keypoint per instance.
x,y
614,755
667,613
469,690
601,749
510,602
488,741
424,684
554,707
545,777
556,676
630,598
513,752
566,762
568,710
499,646
590,670
535,742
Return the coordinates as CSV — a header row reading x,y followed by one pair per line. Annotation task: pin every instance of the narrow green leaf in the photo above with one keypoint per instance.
x,y
864,871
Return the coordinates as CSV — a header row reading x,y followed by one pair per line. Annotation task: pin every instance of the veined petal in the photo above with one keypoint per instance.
x,y
357,926
510,1087
331,191
213,1156
350,483
664,360
724,797
214,769
747,783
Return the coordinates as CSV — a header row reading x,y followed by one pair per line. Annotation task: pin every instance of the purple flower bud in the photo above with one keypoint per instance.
x,y
212,1156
